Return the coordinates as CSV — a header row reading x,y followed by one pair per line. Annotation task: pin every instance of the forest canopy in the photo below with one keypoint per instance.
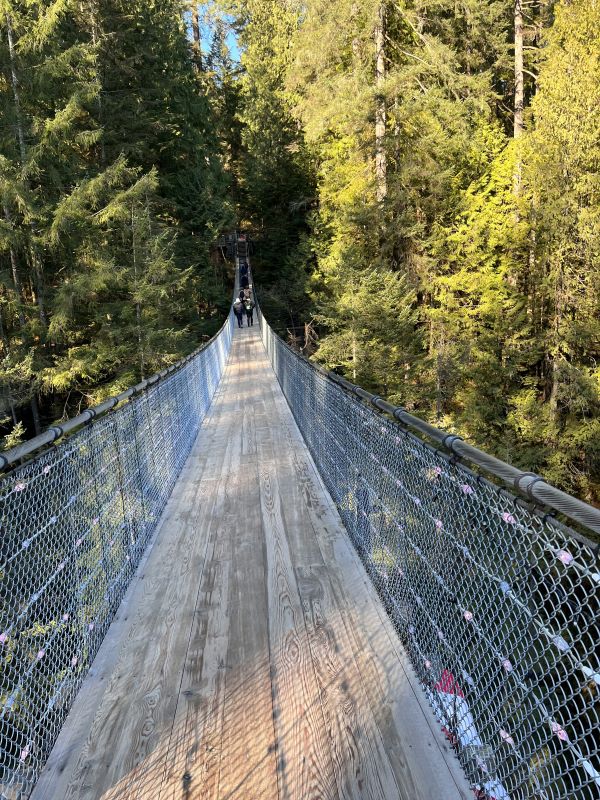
x,y
113,191
424,180
420,179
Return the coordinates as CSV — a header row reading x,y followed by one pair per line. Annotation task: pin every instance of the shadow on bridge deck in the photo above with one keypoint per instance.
x,y
250,658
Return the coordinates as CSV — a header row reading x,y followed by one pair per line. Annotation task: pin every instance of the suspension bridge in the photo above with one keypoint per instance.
x,y
247,578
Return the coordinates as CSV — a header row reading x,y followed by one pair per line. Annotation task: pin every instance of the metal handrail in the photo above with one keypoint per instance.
x,y
529,484
495,599
12,457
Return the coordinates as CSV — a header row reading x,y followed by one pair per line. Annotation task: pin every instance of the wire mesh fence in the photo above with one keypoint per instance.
x,y
75,523
497,604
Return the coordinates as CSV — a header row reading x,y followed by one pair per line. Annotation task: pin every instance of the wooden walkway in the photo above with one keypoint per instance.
x,y
251,658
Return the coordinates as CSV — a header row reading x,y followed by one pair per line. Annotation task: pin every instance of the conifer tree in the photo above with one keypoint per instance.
x,y
276,180
470,232
112,192
561,171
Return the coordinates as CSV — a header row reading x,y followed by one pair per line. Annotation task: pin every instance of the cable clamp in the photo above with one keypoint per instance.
x,y
449,440
397,412
57,431
529,488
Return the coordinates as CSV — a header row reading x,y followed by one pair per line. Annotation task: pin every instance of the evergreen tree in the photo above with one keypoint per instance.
x,y
113,190
276,183
420,180
157,113
437,187
562,173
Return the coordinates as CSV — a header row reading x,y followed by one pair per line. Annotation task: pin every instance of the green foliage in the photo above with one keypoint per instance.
x,y
562,175
470,293
14,437
113,190
460,277
372,323
275,182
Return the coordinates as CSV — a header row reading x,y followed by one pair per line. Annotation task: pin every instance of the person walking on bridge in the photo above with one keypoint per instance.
x,y
238,310
249,306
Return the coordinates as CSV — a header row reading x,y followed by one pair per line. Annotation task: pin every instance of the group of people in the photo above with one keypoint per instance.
x,y
244,304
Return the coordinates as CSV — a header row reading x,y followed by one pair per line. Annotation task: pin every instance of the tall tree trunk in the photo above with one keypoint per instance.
x,y
555,355
519,81
197,48
15,88
14,266
380,111
38,282
438,387
34,260
18,287
6,345
138,307
518,126
35,413
35,265
93,10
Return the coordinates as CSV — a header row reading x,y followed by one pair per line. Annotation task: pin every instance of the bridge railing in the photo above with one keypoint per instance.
x,y
75,521
497,603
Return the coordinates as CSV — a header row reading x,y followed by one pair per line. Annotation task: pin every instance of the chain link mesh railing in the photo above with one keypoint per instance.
x,y
75,523
497,603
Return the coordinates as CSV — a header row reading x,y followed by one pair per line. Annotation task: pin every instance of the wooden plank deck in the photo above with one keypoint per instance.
x,y
251,657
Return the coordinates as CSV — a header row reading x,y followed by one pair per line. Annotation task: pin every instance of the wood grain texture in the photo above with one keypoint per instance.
x,y
141,696
304,760
251,658
421,757
248,746
361,762
192,751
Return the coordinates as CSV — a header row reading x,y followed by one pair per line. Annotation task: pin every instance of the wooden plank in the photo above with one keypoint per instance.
x,y
247,415
192,760
248,767
361,763
139,702
248,752
304,762
302,542
423,762
222,742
